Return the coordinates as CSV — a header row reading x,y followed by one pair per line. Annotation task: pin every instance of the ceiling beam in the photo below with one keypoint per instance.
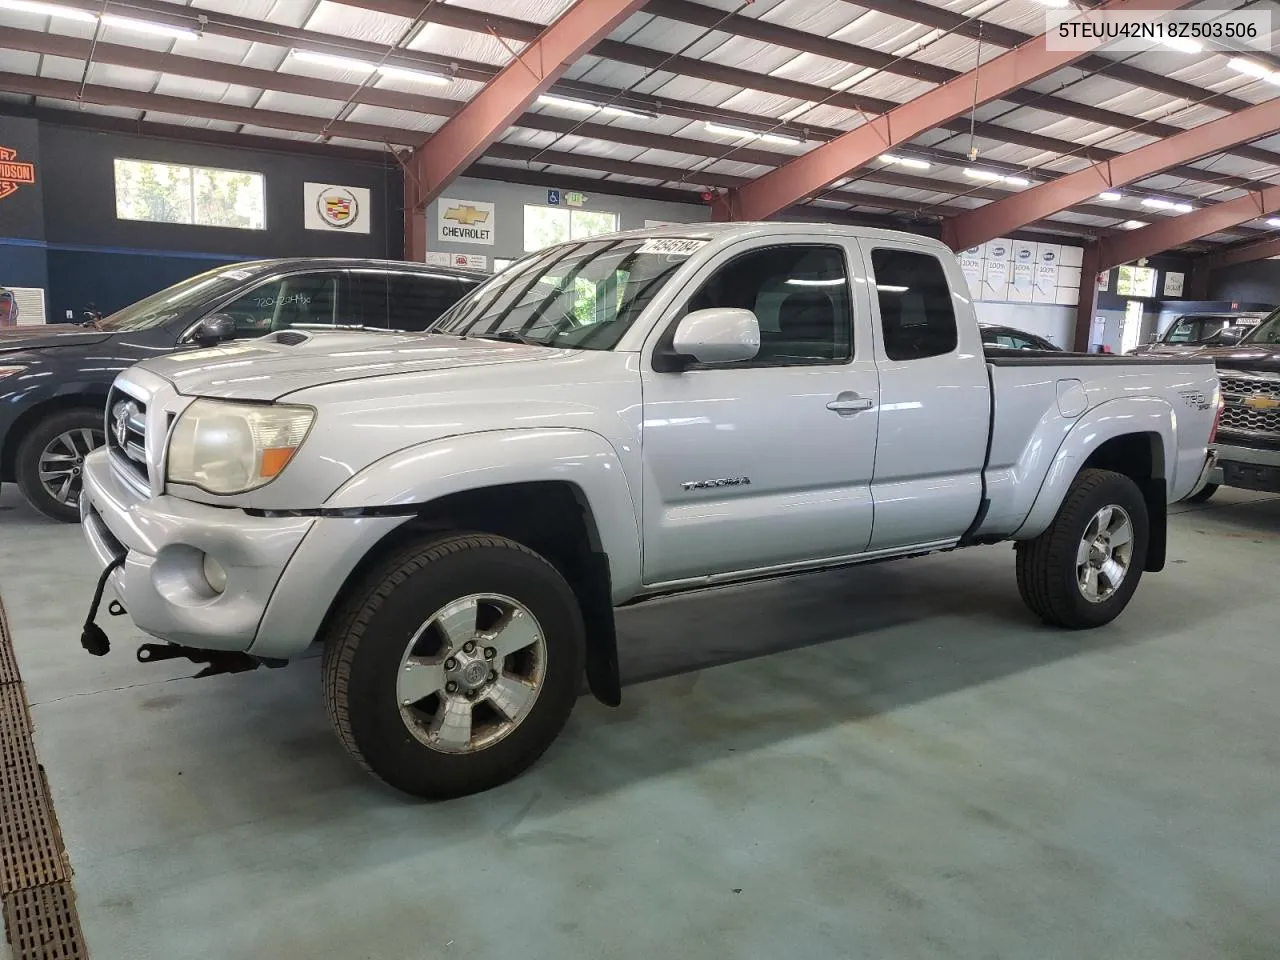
x,y
996,219
1175,231
989,81
221,24
467,134
1243,253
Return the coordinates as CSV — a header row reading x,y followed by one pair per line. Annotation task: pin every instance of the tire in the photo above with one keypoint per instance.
x,y
67,433
1202,495
1049,567
398,610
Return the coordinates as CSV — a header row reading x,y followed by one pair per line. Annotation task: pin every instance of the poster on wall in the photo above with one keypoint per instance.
x,y
463,261
1022,283
326,206
1024,251
972,269
21,306
1046,283
465,221
995,280
1173,283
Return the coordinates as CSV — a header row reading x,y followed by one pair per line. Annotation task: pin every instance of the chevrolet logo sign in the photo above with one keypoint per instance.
x,y
466,215
1262,403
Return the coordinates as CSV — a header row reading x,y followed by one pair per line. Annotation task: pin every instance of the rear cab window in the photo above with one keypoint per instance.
x,y
917,317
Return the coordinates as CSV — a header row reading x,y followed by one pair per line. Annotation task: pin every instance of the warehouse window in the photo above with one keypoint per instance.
x,y
203,196
544,226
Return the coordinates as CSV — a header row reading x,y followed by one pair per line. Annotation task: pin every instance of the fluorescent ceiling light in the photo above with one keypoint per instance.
x,y
1156,203
550,100
1133,224
148,26
890,288
906,161
990,176
802,282
1252,67
727,131
1056,3
1110,196
1274,222
333,60
422,76
47,10
1183,207
1183,44
613,111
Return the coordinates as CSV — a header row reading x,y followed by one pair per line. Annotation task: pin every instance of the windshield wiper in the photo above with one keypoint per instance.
x,y
510,336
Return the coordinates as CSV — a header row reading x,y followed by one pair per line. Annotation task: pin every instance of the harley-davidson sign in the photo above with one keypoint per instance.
x,y
13,172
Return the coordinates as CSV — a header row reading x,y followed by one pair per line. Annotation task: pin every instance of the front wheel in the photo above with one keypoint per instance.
x,y
50,461
1083,570
455,665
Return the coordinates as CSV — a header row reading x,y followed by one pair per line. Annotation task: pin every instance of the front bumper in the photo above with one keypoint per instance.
x,y
1248,468
282,573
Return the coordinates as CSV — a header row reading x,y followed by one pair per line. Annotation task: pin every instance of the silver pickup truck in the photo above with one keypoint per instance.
x,y
455,515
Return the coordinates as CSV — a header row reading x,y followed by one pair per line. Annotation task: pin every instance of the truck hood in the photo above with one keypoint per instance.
x,y
268,369
43,336
1245,356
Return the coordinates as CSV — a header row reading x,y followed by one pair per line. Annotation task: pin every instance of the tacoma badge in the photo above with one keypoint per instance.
x,y
724,482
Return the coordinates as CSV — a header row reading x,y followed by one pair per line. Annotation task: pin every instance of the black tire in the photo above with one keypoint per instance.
x,y
370,633
81,422
1047,569
1203,495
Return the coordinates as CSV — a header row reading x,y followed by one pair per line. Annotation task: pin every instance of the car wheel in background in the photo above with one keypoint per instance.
x,y
50,461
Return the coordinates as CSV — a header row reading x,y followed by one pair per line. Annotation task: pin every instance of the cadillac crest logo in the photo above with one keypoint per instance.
x,y
14,173
338,207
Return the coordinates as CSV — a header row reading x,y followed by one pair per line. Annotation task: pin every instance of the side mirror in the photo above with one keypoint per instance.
x,y
214,329
718,335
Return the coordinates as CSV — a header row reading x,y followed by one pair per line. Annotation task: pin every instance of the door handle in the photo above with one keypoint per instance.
x,y
847,404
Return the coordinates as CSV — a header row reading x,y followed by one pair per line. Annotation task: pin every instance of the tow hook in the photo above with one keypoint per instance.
x,y
216,661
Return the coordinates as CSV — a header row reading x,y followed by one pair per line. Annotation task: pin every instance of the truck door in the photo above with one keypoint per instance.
x,y
766,462
935,409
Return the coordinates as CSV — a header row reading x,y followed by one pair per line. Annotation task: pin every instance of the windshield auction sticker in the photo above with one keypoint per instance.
x,y
1188,31
679,246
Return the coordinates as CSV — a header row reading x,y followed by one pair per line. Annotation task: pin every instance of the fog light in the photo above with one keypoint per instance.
x,y
214,573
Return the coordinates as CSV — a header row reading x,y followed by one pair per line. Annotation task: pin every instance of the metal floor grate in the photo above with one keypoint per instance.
x,y
38,903
43,925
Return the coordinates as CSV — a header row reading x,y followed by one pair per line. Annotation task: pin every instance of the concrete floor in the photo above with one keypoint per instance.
x,y
923,772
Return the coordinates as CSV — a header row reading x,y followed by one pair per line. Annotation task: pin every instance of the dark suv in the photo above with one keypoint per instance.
x,y
54,379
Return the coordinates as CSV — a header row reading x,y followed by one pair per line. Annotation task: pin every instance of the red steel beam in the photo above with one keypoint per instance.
x,y
1175,231
1263,250
831,161
467,134
996,219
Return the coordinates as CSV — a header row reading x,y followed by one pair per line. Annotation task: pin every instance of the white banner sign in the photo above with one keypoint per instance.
x,y
21,306
329,207
465,221
1173,284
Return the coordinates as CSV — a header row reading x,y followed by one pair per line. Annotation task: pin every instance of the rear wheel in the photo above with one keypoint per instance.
x,y
1083,570
455,666
50,461
1203,494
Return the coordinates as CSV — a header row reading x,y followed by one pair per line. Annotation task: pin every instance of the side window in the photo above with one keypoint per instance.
x,y
915,304
800,295
368,298
416,301
307,299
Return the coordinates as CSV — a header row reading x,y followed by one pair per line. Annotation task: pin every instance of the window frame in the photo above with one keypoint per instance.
x,y
870,246
662,356
251,284
191,168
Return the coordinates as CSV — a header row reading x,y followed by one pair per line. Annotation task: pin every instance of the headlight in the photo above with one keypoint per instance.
x,y
10,371
233,447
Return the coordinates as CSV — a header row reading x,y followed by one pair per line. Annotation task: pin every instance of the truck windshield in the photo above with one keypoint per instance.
x,y
177,299
582,296
1268,331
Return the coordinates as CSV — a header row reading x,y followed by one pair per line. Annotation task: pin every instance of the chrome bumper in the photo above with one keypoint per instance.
x,y
282,573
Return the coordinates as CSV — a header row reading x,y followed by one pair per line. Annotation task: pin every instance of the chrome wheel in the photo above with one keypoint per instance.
x,y
471,673
1104,554
62,463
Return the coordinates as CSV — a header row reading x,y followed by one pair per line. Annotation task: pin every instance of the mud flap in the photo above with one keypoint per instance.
x,y
595,597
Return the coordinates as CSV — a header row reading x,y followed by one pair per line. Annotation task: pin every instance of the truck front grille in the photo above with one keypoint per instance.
x,y
127,435
1251,404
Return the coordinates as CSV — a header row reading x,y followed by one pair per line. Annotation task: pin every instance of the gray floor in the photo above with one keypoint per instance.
x,y
922,772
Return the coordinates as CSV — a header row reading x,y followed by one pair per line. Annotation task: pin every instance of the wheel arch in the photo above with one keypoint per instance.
x,y
27,420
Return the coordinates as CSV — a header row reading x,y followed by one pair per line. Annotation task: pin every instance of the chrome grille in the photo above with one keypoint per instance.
x,y
1251,403
127,434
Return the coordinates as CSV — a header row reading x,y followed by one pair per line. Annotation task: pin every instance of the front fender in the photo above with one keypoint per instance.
x,y
1115,418
420,474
